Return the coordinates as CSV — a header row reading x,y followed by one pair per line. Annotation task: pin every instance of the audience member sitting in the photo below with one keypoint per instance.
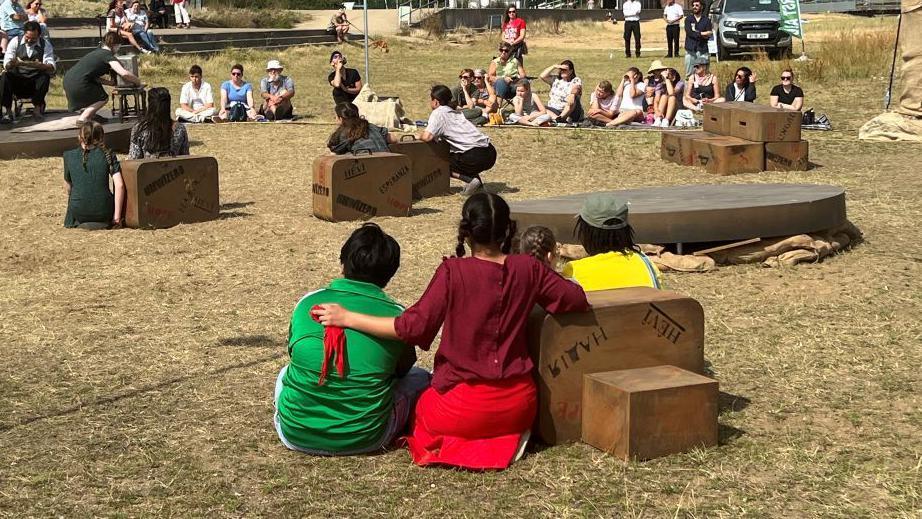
x,y
787,94
614,260
671,99
631,93
471,152
504,71
196,100
653,91
743,87
484,95
539,242
90,204
346,82
83,81
368,397
156,134
29,63
357,134
236,98
339,25
117,22
38,14
566,89
12,19
603,105
276,91
701,86
480,409
158,13
140,26
528,109
465,97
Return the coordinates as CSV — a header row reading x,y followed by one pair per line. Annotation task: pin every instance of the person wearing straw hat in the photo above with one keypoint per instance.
x,y
276,91
654,90
614,261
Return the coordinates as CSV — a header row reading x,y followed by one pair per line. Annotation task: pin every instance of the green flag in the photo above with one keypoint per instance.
x,y
790,18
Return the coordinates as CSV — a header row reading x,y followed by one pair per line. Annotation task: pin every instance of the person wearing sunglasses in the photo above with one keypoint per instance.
x,y
513,30
504,71
566,89
236,98
787,94
465,96
484,95
743,87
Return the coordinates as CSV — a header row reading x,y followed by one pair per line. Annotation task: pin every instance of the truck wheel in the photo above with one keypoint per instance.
x,y
722,53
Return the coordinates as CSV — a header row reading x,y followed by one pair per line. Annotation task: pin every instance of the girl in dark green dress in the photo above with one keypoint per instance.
x,y
87,169
83,82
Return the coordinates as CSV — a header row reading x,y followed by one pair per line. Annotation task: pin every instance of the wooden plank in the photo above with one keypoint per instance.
x,y
728,246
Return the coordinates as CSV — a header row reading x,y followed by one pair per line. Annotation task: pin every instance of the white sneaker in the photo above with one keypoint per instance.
x,y
472,187
656,121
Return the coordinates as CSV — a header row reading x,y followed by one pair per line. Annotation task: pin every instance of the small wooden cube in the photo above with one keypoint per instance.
x,y
646,413
787,156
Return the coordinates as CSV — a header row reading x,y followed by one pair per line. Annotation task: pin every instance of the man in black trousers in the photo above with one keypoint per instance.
x,y
673,14
631,9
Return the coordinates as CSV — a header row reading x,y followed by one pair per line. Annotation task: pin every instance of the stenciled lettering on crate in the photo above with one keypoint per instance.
x,y
169,191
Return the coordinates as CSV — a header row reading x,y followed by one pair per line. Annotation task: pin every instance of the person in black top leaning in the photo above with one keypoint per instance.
x,y
787,94
346,82
698,30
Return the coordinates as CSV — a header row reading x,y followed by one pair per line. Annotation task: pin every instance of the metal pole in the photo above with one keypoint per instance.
x,y
896,45
367,72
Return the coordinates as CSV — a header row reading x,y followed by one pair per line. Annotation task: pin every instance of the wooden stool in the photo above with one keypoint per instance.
x,y
128,102
649,412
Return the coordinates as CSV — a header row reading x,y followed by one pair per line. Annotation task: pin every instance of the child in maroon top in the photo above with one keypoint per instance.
x,y
483,398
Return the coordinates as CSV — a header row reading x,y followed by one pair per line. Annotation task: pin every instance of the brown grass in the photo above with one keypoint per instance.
x,y
139,365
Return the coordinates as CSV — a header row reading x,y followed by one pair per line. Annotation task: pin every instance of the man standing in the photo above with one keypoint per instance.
x,y
631,9
29,63
346,82
196,100
276,91
698,30
673,15
12,18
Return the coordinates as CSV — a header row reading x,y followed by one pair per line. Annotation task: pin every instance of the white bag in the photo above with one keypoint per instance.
x,y
685,118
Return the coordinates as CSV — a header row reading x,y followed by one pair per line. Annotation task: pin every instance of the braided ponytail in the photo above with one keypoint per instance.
x,y
485,220
464,232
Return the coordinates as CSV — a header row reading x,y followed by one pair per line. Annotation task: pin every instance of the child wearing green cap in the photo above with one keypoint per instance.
x,y
615,261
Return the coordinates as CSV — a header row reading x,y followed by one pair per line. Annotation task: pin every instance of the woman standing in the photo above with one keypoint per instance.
x,y
90,204
156,134
472,153
479,411
181,14
513,30
83,82
236,98
701,86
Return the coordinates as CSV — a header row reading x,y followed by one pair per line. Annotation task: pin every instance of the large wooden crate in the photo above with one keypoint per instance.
x,y
169,191
760,123
717,116
729,155
678,145
361,186
626,328
787,156
430,165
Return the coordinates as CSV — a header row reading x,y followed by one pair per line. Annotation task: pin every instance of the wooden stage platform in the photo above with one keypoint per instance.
x,y
15,144
702,213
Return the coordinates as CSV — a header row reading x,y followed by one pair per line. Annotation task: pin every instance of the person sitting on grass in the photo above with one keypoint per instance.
x,y
87,169
465,97
603,105
156,134
357,396
346,82
237,98
357,134
669,101
787,94
276,91
472,153
539,242
701,86
484,95
480,409
339,25
504,71
566,89
631,93
528,109
743,87
196,100
614,260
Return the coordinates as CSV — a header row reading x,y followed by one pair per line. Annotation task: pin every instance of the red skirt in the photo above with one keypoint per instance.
x,y
475,425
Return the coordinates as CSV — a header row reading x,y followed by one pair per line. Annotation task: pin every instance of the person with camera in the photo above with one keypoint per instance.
x,y
346,82
631,93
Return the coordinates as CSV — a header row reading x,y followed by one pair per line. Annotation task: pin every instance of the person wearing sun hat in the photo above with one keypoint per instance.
x,y
276,91
615,261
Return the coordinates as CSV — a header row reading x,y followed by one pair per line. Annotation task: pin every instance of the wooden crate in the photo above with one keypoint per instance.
x,y
729,155
170,191
361,186
762,123
717,116
649,412
626,328
430,165
787,156
677,146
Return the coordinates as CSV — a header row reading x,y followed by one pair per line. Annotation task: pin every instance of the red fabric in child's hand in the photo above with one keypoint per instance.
x,y
334,343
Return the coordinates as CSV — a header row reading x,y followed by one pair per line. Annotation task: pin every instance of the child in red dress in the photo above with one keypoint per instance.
x,y
479,410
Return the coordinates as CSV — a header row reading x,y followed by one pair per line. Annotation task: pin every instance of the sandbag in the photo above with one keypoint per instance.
x,y
386,113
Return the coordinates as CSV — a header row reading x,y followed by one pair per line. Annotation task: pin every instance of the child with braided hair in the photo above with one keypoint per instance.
x,y
539,241
479,410
90,203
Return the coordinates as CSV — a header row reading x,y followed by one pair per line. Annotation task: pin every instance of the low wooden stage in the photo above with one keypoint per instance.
x,y
16,143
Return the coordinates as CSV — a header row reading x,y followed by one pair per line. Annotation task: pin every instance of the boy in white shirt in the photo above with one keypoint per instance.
x,y
196,101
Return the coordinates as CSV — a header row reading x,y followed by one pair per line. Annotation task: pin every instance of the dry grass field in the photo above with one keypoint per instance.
x,y
138,366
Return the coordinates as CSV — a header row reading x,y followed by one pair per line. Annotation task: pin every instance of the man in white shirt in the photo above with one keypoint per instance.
x,y
196,101
631,9
673,15
29,63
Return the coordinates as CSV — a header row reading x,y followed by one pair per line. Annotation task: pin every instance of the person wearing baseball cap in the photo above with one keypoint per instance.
x,y
614,261
346,82
276,91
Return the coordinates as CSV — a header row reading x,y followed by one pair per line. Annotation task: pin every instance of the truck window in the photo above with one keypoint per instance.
x,y
736,6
